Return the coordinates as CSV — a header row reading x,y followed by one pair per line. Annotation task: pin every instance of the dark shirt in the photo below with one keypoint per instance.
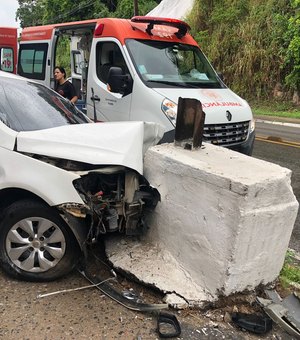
x,y
67,90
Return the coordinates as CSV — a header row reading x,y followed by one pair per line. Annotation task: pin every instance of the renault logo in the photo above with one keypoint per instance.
x,y
228,115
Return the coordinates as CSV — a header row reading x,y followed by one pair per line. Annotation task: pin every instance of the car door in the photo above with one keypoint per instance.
x,y
108,106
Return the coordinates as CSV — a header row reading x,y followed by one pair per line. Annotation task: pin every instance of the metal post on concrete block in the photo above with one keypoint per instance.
x,y
189,123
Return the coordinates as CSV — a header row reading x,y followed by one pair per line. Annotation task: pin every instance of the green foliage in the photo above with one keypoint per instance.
x,y
101,11
292,38
254,44
277,108
63,54
125,8
29,12
42,12
290,272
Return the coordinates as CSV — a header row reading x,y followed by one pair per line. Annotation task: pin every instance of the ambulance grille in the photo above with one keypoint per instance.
x,y
226,134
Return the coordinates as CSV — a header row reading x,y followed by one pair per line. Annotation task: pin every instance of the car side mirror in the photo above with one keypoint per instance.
x,y
119,82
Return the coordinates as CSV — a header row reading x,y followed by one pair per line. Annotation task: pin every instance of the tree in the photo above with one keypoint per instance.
x,y
254,44
41,12
136,7
30,12
292,40
125,8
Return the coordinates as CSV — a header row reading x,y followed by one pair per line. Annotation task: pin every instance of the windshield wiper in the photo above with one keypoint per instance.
x,y
172,83
210,85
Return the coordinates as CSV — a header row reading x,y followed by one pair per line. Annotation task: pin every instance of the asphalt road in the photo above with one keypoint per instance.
x,y
280,143
279,130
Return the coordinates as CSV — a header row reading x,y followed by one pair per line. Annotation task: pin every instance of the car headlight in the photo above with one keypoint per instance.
x,y
252,125
252,121
169,108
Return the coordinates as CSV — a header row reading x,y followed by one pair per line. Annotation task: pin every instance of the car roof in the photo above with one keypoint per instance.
x,y
11,75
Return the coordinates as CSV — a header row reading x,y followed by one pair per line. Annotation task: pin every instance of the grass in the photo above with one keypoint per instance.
x,y
271,112
282,109
290,272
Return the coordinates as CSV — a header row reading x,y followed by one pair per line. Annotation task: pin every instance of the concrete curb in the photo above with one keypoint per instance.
x,y
293,122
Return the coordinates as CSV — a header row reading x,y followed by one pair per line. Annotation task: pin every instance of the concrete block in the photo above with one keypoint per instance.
x,y
224,221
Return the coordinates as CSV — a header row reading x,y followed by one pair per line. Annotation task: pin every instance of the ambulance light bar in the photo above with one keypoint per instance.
x,y
151,21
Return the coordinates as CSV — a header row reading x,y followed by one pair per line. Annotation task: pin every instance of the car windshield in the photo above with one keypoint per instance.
x,y
169,64
28,106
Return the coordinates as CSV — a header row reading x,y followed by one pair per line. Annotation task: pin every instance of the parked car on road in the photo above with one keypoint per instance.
x,y
64,180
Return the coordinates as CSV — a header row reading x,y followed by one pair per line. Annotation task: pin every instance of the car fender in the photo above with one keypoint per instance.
x,y
51,183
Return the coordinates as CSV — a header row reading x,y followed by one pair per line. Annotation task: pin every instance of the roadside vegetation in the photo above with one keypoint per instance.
x,y
261,110
275,108
290,273
255,44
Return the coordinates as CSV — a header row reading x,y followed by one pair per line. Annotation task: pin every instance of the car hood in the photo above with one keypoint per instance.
x,y
110,143
215,103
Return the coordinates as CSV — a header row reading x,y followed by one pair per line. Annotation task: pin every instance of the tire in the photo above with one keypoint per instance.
x,y
35,243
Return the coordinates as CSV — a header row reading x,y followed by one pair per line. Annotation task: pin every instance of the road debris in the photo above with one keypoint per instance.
x,y
117,296
285,312
168,325
259,324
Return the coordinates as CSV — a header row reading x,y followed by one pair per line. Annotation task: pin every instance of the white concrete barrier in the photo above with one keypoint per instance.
x,y
223,224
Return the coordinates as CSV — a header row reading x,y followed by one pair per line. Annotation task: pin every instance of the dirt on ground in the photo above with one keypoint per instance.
x,y
77,313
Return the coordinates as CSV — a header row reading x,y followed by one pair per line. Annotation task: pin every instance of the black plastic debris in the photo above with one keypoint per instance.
x,y
168,325
259,324
125,300
285,312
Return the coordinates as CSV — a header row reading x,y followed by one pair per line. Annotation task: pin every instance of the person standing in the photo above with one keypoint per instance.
x,y
63,86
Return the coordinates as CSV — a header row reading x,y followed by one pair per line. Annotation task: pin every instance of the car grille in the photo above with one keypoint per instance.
x,y
226,134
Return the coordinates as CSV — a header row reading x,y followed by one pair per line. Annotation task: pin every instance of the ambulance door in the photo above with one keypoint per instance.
x,y
7,59
8,49
108,106
77,66
36,57
80,54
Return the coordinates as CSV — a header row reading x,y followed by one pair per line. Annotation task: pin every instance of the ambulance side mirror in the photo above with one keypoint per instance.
x,y
119,82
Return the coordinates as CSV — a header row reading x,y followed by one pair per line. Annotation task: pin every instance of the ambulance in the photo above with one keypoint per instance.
x,y
135,70
8,49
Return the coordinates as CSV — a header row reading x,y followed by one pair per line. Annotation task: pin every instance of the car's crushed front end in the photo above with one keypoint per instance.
x,y
107,162
115,199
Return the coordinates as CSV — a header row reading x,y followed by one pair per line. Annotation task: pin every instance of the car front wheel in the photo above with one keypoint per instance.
x,y
35,242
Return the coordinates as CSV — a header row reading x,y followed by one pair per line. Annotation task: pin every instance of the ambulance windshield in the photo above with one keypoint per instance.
x,y
171,64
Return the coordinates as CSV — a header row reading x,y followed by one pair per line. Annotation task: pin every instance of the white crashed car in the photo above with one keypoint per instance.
x,y
64,180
